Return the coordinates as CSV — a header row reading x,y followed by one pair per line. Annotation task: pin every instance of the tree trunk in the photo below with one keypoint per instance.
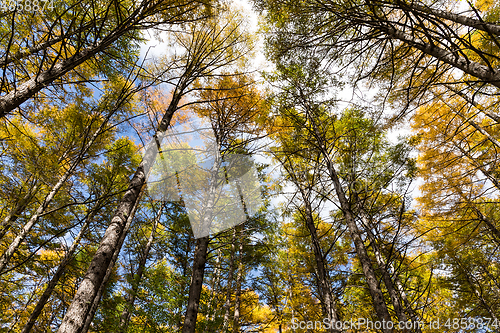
x,y
200,259
58,274
237,294
125,316
201,250
229,285
97,299
467,21
364,259
324,289
77,312
215,289
387,269
29,88
44,78
475,69
355,234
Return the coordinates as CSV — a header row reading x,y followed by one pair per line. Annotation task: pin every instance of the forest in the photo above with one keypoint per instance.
x,y
262,166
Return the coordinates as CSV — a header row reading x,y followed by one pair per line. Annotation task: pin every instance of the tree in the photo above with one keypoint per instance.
x,y
403,47
78,42
358,169
458,162
235,110
93,239
126,313
204,55
93,133
304,175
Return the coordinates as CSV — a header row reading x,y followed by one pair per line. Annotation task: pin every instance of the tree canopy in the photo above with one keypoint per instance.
x,y
350,186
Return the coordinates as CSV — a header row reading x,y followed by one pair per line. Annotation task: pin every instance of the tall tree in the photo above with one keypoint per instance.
x,y
399,47
99,35
208,47
358,169
235,110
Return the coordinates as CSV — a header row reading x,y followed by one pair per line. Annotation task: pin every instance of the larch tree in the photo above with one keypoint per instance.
x,y
77,42
236,112
207,47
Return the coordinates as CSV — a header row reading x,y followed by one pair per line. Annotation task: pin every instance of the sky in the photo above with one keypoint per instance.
x,y
156,48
